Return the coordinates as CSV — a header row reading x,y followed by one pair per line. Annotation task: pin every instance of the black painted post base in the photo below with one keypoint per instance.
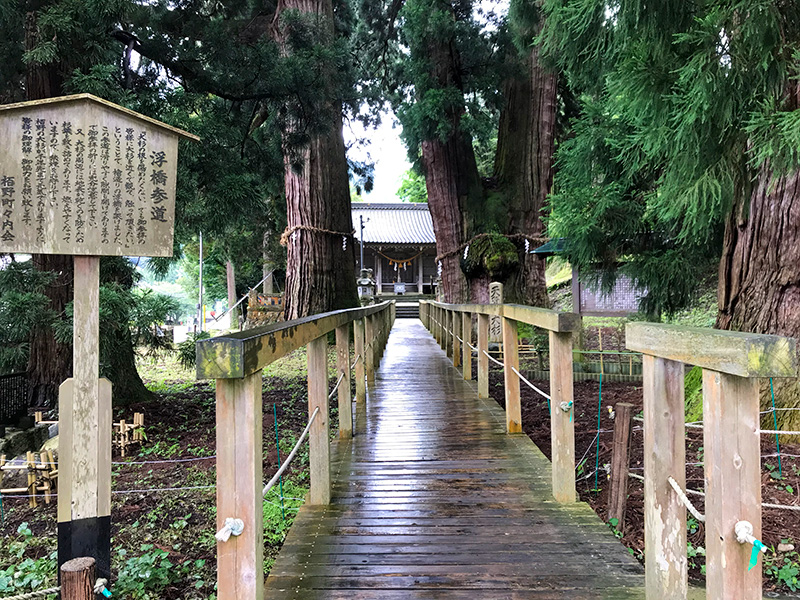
x,y
86,537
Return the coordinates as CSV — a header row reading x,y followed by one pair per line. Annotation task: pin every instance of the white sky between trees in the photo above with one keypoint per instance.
x,y
386,149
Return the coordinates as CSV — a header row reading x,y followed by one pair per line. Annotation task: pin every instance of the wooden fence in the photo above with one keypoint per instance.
x,y
732,364
451,324
236,362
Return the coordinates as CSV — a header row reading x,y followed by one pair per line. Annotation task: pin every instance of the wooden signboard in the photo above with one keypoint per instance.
x,y
82,176
85,177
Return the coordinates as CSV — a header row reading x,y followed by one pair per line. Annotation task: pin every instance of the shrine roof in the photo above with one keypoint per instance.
x,y
402,223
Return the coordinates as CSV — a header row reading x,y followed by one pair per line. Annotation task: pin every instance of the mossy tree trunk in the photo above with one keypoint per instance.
x,y
523,175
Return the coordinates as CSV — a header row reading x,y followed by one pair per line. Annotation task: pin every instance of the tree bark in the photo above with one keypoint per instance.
x,y
320,271
49,363
524,169
451,173
759,276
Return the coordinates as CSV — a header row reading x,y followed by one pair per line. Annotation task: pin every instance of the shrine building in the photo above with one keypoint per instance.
x,y
399,246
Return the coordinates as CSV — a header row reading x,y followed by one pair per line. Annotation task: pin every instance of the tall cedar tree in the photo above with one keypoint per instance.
x,y
443,90
687,150
287,66
320,268
46,42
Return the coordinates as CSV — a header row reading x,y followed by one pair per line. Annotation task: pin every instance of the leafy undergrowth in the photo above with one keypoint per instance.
x,y
163,545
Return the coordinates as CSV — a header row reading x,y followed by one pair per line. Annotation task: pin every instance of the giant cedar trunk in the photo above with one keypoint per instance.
x,y
49,363
320,270
524,169
451,176
759,278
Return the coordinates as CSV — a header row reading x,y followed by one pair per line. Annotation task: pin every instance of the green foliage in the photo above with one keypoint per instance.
x,y
146,577
23,308
187,350
413,188
783,569
681,104
693,394
25,573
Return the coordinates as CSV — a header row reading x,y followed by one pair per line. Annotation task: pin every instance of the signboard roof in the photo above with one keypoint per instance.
x,y
83,176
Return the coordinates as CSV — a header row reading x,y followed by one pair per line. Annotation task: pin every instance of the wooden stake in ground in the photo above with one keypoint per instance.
x,y
619,464
78,579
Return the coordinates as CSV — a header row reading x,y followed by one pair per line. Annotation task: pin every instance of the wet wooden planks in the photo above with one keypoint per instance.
x,y
432,499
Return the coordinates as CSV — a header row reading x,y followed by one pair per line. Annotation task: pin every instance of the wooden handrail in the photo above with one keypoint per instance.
x,y
441,318
236,361
551,320
732,364
242,353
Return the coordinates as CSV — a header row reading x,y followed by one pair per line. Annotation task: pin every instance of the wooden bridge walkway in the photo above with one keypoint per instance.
x,y
433,499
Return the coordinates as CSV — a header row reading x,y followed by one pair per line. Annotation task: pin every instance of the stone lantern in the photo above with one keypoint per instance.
x,y
366,287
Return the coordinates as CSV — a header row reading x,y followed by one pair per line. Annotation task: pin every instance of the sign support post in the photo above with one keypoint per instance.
x,y
84,177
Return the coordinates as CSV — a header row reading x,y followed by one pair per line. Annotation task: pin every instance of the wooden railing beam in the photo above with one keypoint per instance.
x,y
732,458
511,362
466,351
562,423
318,436
360,369
483,359
666,574
343,371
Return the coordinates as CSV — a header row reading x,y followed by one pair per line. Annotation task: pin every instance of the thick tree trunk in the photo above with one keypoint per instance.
x,y
451,175
49,363
320,271
451,178
759,277
524,169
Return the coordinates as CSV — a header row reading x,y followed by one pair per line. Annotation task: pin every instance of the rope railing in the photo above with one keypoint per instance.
x,y
529,384
355,362
494,360
790,507
686,502
336,387
292,454
99,588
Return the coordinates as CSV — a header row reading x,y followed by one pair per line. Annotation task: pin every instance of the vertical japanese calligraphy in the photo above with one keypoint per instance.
x,y
86,177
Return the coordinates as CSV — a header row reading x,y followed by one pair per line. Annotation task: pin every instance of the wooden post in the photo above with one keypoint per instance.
x,y
343,369
511,361
666,574
360,368
733,483
240,476
84,499
483,359
562,423
78,578
466,351
369,351
319,449
619,464
456,334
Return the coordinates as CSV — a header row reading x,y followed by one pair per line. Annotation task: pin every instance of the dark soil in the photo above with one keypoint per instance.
x,y
179,425
777,525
